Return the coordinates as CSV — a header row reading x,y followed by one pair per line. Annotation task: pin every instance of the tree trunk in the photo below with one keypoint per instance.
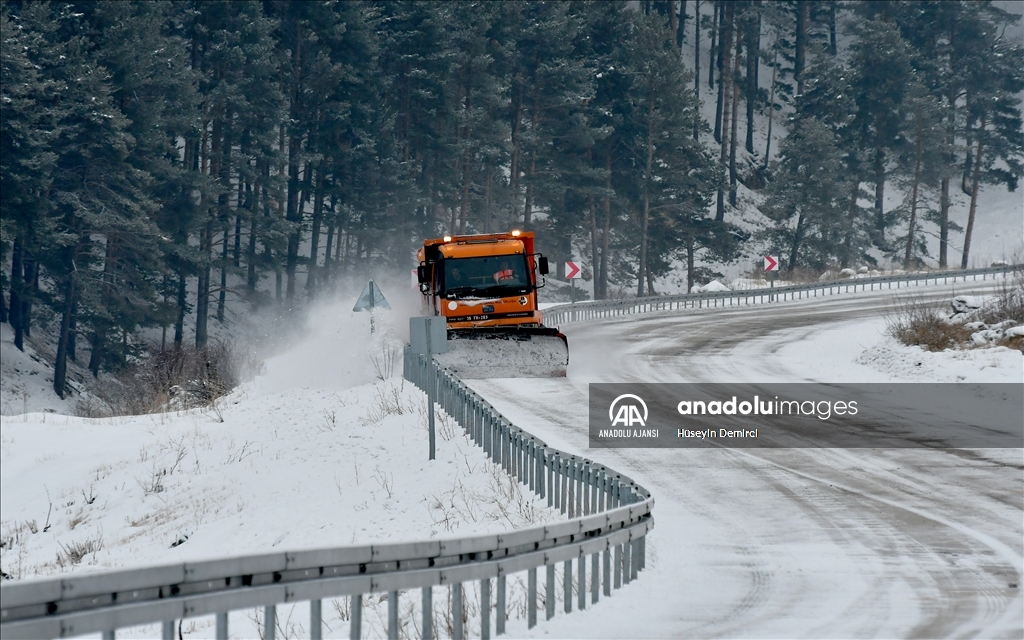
x,y
517,116
673,21
203,287
714,42
594,242
60,366
681,36
17,287
771,109
798,237
96,349
30,291
179,322
944,190
294,216
725,89
696,64
975,182
466,177
832,49
223,292
803,9
528,205
689,262
913,200
648,170
73,330
880,196
606,233
733,122
753,46
944,224
252,203
725,13
312,273
241,204
850,228
328,246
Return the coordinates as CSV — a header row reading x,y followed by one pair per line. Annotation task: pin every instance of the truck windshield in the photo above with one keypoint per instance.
x,y
485,277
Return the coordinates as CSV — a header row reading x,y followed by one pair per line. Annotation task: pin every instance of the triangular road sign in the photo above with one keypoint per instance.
x,y
371,298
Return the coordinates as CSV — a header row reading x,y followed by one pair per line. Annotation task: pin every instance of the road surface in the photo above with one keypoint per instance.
x,y
786,542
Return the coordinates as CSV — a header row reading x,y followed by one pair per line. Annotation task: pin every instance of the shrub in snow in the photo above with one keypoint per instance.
x,y
973,322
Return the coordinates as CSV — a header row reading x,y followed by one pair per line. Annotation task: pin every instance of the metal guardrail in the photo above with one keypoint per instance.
x,y
609,515
593,310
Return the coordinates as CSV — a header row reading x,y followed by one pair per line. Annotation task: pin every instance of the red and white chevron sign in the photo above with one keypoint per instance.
x,y
771,263
572,271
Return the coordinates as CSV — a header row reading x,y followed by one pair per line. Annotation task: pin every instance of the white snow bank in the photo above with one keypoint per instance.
x,y
304,468
860,351
26,379
712,286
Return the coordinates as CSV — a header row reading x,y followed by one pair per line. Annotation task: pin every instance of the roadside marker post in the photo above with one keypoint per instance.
x,y
771,265
572,271
371,298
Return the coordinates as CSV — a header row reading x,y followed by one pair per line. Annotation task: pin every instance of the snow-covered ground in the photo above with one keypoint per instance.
x,y
26,379
316,452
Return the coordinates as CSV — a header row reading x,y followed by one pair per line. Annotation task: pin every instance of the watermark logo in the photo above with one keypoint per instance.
x,y
628,413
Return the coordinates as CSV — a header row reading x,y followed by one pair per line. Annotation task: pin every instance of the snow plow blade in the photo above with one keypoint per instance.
x,y
501,352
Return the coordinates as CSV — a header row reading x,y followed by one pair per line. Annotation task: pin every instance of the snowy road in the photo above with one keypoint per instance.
x,y
792,542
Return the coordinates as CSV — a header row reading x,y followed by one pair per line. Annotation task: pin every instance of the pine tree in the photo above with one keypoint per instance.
x,y
881,62
672,175
26,132
807,200
993,89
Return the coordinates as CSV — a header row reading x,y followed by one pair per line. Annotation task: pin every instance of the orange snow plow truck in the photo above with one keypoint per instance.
x,y
486,288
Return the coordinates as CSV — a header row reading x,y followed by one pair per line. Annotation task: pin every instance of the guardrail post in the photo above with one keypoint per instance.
x,y
108,635
581,583
269,622
618,566
540,456
578,486
627,566
428,613
567,586
485,609
595,581
457,611
591,490
356,623
506,447
549,592
643,553
167,629
499,615
392,615
607,573
316,629
559,500
531,598
550,460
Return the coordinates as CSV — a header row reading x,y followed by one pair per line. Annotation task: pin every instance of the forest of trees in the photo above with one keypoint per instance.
x,y
164,161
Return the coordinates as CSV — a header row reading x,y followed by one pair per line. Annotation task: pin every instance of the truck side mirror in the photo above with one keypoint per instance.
x,y
542,265
422,274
